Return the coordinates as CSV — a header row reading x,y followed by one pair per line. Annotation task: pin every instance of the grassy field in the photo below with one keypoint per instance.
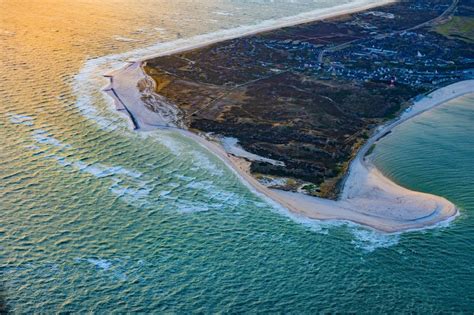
x,y
460,27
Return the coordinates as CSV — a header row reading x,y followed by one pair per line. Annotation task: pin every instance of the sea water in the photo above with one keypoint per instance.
x,y
95,217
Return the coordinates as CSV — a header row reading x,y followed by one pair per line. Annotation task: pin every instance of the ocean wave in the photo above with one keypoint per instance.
x,y
186,207
114,268
124,39
43,137
370,240
201,185
124,182
160,30
130,193
100,263
224,13
21,119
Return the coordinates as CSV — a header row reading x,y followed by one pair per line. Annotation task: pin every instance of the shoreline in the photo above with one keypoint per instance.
x,y
365,186
367,198
198,41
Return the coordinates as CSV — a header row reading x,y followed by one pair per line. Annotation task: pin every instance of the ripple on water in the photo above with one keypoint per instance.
x,y
21,119
95,217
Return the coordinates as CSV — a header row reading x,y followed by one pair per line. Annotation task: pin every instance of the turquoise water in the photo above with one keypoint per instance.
x,y
97,218
434,153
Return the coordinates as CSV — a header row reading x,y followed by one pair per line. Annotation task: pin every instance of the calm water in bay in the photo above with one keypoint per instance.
x,y
95,217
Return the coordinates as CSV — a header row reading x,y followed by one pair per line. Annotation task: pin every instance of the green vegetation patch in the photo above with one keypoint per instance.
x,y
310,188
459,27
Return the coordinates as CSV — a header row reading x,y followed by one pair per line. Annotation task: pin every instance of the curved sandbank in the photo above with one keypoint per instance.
x,y
367,198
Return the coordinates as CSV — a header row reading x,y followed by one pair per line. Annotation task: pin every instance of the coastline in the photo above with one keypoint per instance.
x,y
368,197
199,41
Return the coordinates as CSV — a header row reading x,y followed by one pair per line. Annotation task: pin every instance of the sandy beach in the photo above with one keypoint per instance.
x,y
368,197
203,40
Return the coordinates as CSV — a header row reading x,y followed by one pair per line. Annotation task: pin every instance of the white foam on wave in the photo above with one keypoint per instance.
x,y
168,141
363,238
21,119
124,39
223,13
318,226
208,187
187,207
184,177
199,159
164,193
43,137
111,267
86,87
97,169
201,185
370,240
218,197
101,170
100,263
160,30
226,198
202,161
131,193
124,182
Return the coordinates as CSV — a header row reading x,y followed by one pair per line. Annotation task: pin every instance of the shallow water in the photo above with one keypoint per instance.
x,y
95,217
434,152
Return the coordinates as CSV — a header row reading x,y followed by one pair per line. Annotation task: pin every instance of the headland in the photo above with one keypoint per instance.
x,y
303,106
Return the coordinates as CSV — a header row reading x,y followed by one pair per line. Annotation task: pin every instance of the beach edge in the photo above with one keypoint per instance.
x,y
361,173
